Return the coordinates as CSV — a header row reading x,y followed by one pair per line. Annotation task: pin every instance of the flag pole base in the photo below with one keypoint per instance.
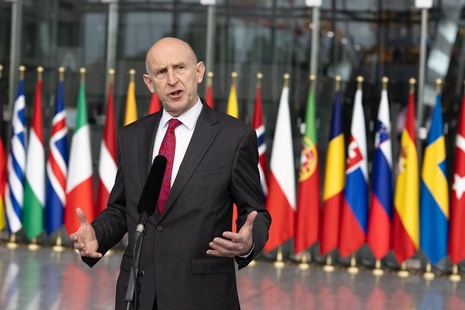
x,y
12,244
58,247
328,267
33,246
403,273
428,275
279,264
455,277
304,265
378,271
353,269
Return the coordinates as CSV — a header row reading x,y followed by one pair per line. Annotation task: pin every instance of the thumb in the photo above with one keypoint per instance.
x,y
250,219
81,216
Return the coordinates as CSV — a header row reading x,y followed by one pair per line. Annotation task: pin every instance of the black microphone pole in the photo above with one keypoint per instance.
x,y
146,207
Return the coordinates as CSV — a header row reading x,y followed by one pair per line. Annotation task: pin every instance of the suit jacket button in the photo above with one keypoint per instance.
x,y
160,228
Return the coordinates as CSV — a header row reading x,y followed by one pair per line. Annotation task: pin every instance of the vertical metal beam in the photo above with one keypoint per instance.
x,y
15,53
112,37
315,42
209,51
421,71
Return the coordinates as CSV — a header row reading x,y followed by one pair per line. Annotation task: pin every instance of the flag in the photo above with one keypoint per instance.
x,y
34,187
457,197
209,93
79,186
405,220
308,198
14,191
434,196
333,186
154,104
281,198
232,109
259,126
2,170
379,225
57,165
354,212
108,153
131,107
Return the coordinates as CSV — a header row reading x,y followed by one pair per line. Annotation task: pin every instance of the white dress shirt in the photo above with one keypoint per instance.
x,y
183,134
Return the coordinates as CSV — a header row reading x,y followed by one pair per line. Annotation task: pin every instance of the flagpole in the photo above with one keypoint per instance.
x,y
329,264
455,276
279,263
403,272
15,54
378,271
428,275
353,269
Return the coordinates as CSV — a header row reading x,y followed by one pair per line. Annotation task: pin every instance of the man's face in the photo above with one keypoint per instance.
x,y
174,75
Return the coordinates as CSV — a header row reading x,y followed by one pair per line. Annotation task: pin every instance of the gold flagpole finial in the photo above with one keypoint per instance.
x,y
132,73
233,76
359,82
83,74
385,82
312,79
111,74
22,69
209,78
40,71
438,86
259,79
412,83
1,71
286,79
61,74
337,87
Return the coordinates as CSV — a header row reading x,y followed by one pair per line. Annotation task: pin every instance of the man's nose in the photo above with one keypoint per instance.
x,y
172,77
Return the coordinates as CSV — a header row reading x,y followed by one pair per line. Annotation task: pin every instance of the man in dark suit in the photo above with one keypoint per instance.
x,y
188,254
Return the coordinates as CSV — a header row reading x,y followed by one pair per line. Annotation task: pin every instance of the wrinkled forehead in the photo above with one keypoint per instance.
x,y
167,53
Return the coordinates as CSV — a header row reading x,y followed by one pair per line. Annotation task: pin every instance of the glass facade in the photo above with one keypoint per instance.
x,y
372,39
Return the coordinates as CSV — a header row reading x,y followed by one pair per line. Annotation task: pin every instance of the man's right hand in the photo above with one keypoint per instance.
x,y
84,238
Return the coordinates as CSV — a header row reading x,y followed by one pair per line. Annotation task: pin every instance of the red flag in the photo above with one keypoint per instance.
x,y
154,104
281,185
308,199
209,95
258,125
107,161
457,197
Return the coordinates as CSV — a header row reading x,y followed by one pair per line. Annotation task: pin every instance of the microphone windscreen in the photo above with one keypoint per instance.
x,y
152,187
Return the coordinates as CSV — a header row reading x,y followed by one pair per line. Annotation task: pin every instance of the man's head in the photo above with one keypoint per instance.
x,y
173,73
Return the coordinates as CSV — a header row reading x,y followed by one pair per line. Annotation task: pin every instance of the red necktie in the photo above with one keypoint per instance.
x,y
167,148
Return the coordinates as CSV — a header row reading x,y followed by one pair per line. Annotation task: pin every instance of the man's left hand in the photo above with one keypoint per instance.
x,y
233,244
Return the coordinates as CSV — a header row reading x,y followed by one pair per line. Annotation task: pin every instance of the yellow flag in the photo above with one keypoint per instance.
x,y
233,108
131,107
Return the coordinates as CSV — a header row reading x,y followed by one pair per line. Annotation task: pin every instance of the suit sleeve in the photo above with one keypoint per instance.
x,y
246,192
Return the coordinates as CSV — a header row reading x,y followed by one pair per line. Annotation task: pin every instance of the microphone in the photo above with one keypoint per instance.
x,y
151,191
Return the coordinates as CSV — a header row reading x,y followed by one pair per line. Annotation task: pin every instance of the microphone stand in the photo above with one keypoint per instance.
x,y
131,288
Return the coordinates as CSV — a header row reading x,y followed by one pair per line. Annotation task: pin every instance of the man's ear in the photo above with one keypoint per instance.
x,y
200,71
148,82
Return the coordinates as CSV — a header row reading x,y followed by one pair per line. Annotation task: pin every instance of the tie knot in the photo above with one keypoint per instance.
x,y
173,123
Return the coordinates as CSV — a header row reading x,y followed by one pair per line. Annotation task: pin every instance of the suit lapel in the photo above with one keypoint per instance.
x,y
204,134
146,139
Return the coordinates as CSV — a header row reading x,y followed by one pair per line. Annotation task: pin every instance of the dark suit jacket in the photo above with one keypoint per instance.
x,y
219,169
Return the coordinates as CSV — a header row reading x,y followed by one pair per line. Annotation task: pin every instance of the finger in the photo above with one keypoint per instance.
x,y
82,216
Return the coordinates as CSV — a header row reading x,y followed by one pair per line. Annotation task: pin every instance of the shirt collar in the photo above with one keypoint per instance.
x,y
188,118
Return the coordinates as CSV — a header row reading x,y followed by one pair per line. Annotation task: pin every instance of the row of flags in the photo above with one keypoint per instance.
x,y
413,215
40,192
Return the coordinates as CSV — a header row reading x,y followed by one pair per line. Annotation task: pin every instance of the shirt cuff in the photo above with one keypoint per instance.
x,y
250,252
